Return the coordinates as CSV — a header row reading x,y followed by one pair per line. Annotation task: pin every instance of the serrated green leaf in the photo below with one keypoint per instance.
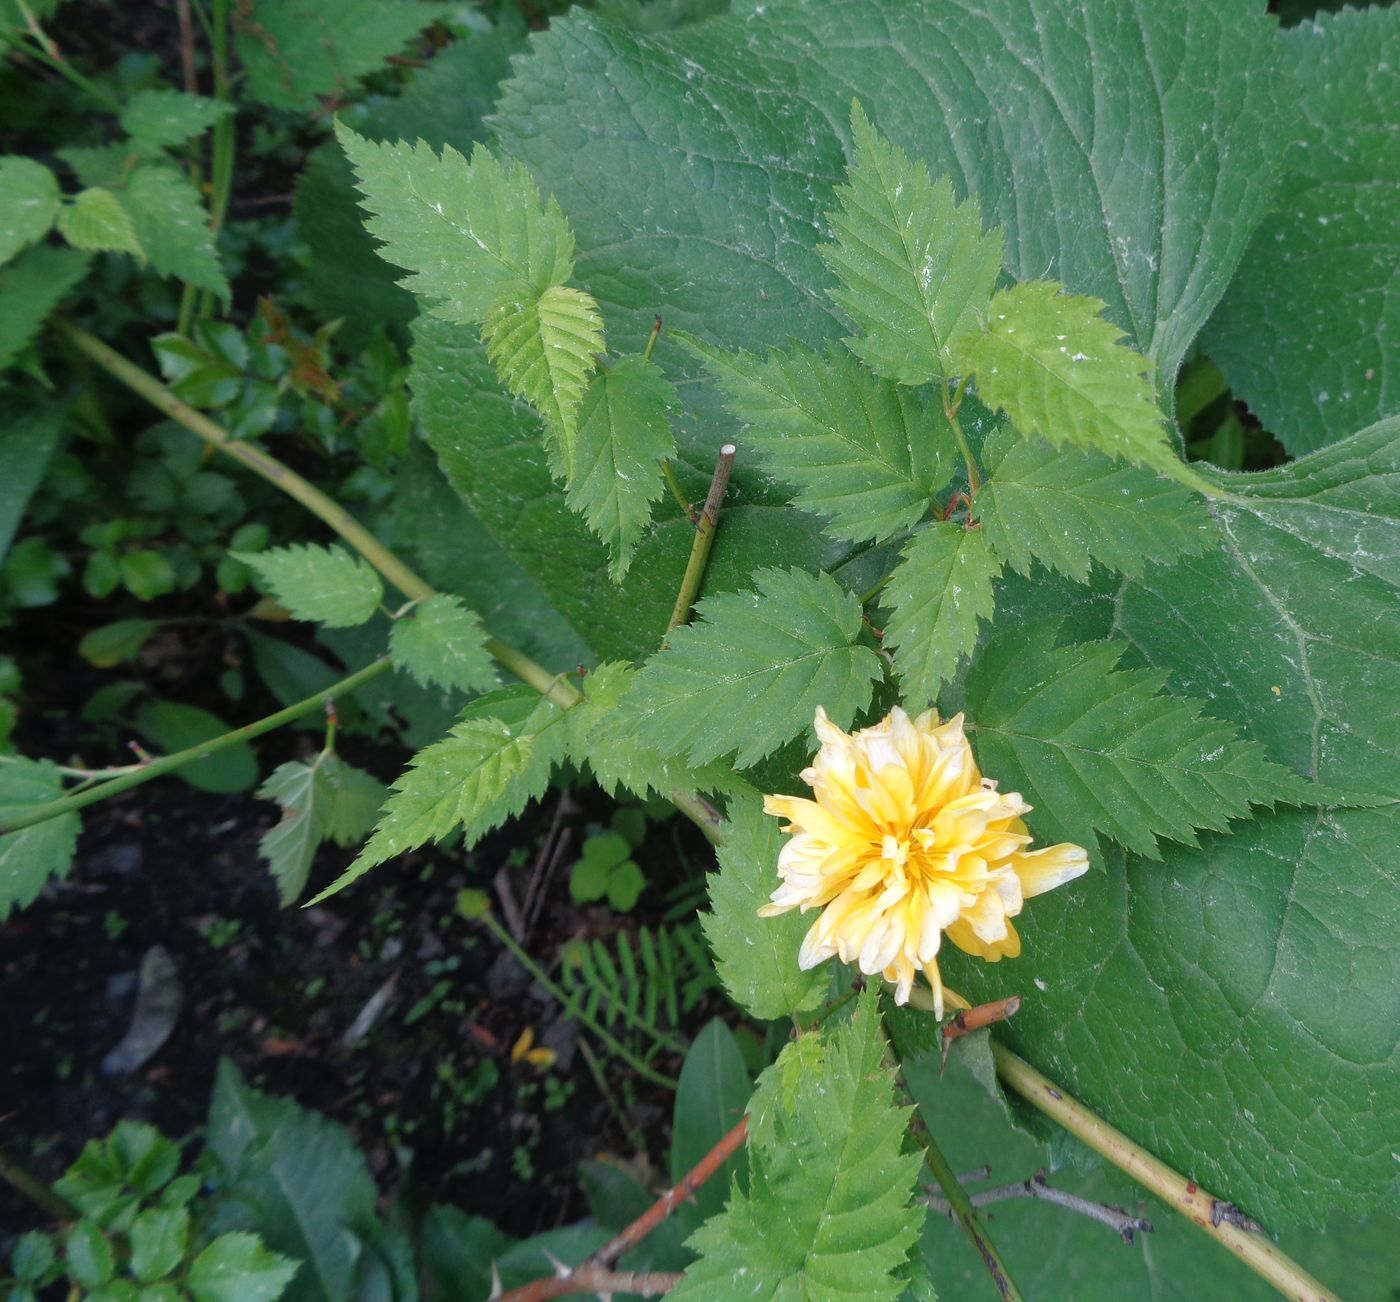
x,y
621,761
757,957
491,451
29,202
866,452
482,773
29,857
914,265
238,1268
1096,748
828,1210
294,51
1068,509
95,221
158,1237
89,1253
544,347
470,232
324,584
624,436
173,228
30,288
442,642
937,597
1052,362
1305,333
749,674
290,846
32,431
350,800
162,119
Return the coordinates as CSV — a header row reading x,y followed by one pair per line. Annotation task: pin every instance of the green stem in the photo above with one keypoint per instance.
x,y
221,152
71,75
254,458
571,1008
674,485
704,538
1182,1195
36,1190
169,763
966,1216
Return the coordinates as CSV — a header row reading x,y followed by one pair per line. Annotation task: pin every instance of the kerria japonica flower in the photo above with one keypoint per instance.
x,y
906,840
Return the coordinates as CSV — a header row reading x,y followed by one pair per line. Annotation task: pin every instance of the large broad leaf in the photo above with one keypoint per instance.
x,y
1290,629
490,448
751,672
1045,109
1234,1009
1051,1252
1292,624
1306,332
827,1211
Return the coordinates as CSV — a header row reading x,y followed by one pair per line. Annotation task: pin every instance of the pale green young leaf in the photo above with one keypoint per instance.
x,y
479,775
95,221
867,452
915,266
323,799
470,232
30,288
1096,748
1067,509
442,642
937,596
544,347
236,1267
749,674
162,119
829,1212
618,759
624,435
29,202
289,847
294,51
1052,362
757,957
29,857
173,227
324,584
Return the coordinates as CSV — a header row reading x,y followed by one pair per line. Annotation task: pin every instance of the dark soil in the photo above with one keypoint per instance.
x,y
429,1086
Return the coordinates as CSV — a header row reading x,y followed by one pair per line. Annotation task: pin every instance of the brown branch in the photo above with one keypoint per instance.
x,y
594,1275
594,1279
968,1020
1115,1218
